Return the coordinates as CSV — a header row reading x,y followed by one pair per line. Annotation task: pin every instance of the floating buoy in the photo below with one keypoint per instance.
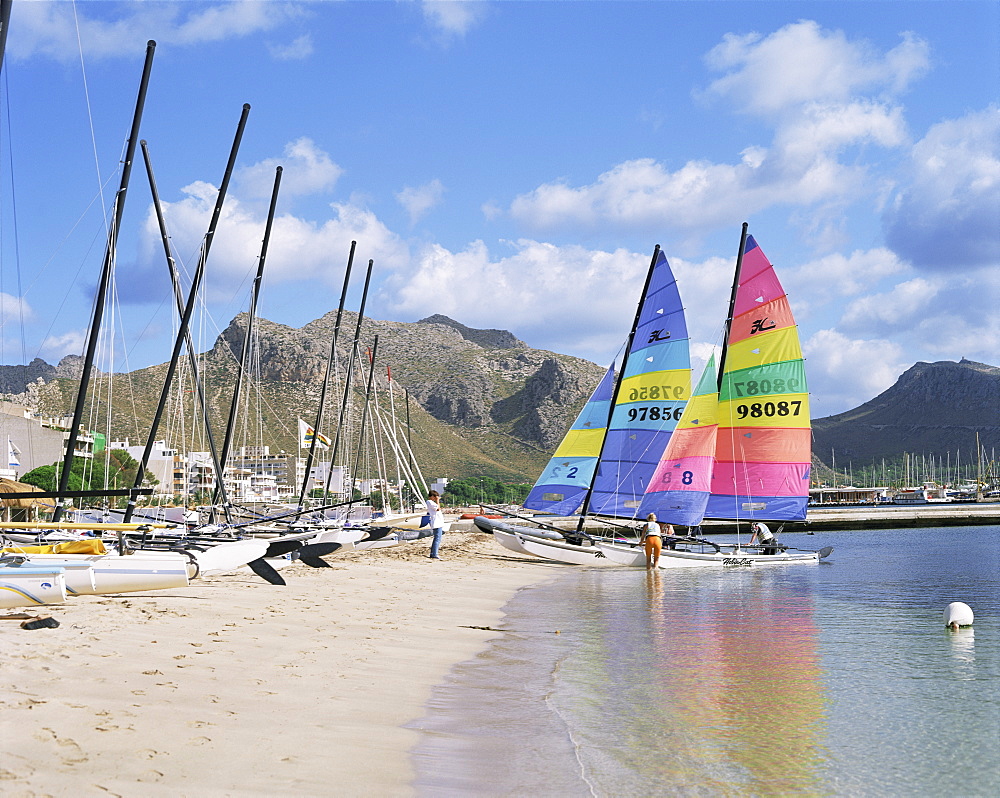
x,y
957,614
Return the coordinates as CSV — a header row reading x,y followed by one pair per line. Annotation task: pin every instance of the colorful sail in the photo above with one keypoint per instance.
x,y
763,443
563,484
680,486
654,386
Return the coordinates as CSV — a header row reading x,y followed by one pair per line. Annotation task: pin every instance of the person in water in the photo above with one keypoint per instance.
x,y
652,540
761,533
437,522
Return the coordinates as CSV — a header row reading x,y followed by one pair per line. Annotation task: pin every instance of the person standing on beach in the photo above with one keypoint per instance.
x,y
437,522
652,541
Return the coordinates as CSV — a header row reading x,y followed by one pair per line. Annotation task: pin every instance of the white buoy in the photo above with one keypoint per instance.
x,y
957,614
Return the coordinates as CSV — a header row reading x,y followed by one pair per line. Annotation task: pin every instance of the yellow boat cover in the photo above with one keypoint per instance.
x,y
86,546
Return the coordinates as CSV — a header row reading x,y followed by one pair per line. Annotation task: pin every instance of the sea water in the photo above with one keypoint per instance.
x,y
836,678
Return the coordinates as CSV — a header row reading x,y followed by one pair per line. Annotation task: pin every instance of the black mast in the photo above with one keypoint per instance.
x,y
347,382
251,321
618,383
732,305
326,379
105,280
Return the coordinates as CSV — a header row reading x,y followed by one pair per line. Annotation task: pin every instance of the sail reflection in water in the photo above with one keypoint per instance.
x,y
721,689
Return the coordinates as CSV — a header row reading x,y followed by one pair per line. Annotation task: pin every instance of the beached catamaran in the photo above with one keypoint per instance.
x,y
604,463
742,450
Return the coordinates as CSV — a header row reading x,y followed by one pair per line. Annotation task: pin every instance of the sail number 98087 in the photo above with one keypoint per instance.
x,y
769,409
654,413
656,392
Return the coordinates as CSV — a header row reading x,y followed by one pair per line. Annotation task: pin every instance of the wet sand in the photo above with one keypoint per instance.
x,y
232,686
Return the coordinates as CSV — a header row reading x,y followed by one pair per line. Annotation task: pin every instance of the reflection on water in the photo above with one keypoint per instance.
x,y
963,652
824,679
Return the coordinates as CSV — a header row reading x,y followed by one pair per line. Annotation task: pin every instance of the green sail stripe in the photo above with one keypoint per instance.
x,y
770,380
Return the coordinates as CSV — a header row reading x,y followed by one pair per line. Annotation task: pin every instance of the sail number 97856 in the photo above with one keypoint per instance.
x,y
656,392
769,409
654,413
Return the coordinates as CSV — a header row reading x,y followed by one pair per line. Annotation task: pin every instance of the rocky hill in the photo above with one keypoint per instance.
x,y
480,401
933,408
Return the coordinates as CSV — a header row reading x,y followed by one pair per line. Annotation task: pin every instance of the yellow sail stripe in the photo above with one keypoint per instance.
x,y
704,409
656,386
581,443
774,347
788,410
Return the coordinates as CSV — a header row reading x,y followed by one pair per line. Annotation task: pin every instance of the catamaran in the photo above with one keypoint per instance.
x,y
604,463
742,449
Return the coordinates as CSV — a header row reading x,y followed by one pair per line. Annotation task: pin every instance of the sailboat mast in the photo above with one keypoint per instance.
x,y
732,305
251,320
105,280
326,380
347,381
618,383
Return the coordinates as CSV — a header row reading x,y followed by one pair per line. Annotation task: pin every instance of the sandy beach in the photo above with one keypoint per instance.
x,y
232,686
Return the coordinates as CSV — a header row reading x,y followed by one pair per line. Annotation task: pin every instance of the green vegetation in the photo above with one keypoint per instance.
x,y
116,472
484,490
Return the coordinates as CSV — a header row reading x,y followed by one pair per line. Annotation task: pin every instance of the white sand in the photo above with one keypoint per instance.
x,y
236,687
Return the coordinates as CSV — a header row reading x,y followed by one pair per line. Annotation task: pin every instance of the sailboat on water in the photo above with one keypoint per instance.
x,y
603,466
742,450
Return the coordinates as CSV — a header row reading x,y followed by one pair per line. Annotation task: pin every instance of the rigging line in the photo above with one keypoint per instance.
x,y
90,114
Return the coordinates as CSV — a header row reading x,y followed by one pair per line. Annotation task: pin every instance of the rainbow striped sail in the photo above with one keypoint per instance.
x,y
763,445
644,406
680,486
564,483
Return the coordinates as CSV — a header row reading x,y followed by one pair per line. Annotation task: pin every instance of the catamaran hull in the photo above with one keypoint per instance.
x,y
31,587
510,541
565,552
735,559
113,573
720,559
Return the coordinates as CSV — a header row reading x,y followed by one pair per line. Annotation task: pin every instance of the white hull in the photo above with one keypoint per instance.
x,y
727,558
510,541
113,573
31,587
565,552
629,556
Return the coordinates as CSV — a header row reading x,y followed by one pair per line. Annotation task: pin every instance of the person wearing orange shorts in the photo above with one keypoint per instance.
x,y
652,541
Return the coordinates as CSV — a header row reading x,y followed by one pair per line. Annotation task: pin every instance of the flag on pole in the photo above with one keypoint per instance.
x,y
306,437
12,453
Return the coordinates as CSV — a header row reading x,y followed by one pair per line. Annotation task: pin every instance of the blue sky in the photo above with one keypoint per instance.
x,y
511,165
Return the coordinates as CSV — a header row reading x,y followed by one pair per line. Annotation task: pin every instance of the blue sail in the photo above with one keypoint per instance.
x,y
654,387
564,483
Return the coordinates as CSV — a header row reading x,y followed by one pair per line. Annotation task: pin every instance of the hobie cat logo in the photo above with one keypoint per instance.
x,y
760,326
658,335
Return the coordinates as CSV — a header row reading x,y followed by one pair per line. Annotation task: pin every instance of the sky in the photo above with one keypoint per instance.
x,y
512,165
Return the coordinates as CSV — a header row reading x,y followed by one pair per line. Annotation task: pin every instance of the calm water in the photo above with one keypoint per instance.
x,y
830,679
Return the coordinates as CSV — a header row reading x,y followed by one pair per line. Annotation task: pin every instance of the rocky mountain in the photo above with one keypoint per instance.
x,y
480,401
933,408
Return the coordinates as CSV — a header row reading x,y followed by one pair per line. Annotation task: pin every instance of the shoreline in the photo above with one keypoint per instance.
x,y
232,686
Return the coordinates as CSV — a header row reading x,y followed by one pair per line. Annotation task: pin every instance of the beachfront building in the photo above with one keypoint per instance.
x,y
28,441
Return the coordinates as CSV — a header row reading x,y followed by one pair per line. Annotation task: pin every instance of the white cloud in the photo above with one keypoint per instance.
x,y
56,347
537,290
296,50
834,276
453,17
945,219
51,29
306,169
845,372
14,310
895,309
802,63
820,119
420,199
299,249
